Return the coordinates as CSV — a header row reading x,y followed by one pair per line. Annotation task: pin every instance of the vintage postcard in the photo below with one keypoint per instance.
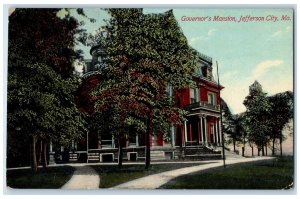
x,y
150,98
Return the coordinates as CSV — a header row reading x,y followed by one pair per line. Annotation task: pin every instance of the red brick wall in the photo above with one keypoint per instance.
x,y
185,97
203,94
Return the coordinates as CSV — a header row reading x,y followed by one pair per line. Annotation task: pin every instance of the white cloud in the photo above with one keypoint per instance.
x,y
279,33
194,40
264,67
211,31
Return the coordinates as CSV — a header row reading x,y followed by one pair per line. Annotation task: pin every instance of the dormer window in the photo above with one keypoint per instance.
x,y
204,71
209,73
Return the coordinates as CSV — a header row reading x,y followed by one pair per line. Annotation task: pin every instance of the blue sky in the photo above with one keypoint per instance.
x,y
245,51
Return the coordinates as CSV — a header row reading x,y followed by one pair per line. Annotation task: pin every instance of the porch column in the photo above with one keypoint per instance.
x,y
136,140
185,133
191,133
172,136
199,129
205,129
51,147
214,133
217,131
112,142
220,129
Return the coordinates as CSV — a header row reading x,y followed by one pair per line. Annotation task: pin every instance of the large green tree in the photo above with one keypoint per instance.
x,y
282,112
41,83
143,53
258,116
234,130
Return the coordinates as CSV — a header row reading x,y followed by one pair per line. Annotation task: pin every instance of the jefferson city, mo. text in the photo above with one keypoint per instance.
x,y
242,18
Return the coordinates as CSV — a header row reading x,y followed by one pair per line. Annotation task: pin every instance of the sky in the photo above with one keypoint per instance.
x,y
245,51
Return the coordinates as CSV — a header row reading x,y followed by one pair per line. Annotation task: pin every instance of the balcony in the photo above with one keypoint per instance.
x,y
91,73
203,105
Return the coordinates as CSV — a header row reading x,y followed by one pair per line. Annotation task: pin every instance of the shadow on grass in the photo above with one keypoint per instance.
x,y
113,175
52,178
267,174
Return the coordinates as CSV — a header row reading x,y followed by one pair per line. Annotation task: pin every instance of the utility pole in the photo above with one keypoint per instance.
x,y
219,90
87,147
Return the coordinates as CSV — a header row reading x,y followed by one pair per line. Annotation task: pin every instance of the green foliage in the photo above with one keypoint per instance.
x,y
142,55
41,102
234,128
258,116
282,112
40,36
41,83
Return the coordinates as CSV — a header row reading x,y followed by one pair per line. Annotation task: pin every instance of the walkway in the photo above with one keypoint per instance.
x,y
84,177
157,180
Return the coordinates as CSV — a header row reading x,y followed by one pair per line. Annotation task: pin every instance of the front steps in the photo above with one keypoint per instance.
x,y
200,152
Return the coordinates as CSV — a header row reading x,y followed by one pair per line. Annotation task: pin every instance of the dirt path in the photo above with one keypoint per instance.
x,y
84,177
157,180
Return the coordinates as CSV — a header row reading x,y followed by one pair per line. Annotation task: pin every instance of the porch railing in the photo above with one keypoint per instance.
x,y
204,105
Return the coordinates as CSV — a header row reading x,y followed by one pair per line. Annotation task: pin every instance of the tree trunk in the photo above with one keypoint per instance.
x,y
262,150
252,151
45,163
120,154
34,161
40,152
266,149
258,151
244,145
273,146
281,144
233,145
148,133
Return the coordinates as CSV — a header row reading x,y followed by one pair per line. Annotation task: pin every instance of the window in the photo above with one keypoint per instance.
x,y
204,71
209,74
169,90
211,98
194,95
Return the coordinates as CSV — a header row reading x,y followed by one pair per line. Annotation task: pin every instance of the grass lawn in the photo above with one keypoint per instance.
x,y
112,175
270,174
52,178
